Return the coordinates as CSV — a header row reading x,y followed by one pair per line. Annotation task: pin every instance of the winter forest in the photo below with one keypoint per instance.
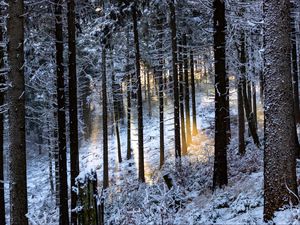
x,y
149,112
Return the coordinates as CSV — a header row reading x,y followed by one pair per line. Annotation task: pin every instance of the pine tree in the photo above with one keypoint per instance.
x,y
74,156
139,96
194,111
2,94
61,116
175,78
280,184
220,177
16,115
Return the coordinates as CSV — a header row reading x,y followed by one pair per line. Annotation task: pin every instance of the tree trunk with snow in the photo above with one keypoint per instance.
x,y
2,85
139,96
241,118
104,119
16,115
61,117
129,75
246,95
181,98
280,184
175,78
220,176
194,111
159,77
186,91
73,110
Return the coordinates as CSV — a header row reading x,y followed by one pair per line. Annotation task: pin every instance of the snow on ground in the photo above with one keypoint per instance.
x,y
191,201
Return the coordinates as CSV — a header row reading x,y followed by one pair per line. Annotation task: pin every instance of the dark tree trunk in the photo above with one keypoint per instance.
x,y
241,114
221,139
73,111
181,98
104,126
159,76
129,74
175,78
2,85
261,86
194,112
139,96
187,91
16,115
241,117
280,182
254,106
61,117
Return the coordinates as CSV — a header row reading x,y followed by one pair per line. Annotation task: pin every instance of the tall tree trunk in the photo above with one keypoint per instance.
x,y
175,78
128,115
181,98
116,106
280,183
187,91
295,70
104,126
16,115
73,111
194,112
254,106
2,85
241,114
149,91
241,117
61,117
160,78
129,74
139,96
249,113
220,177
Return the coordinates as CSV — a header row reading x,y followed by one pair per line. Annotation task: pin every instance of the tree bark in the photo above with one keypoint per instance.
x,y
280,184
187,91
254,106
16,115
139,96
159,76
129,74
241,117
249,113
61,117
104,125
194,111
220,176
181,98
73,111
2,94
295,70
116,105
175,78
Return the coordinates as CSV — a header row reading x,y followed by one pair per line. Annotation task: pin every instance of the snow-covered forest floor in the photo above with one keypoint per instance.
x,y
191,201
